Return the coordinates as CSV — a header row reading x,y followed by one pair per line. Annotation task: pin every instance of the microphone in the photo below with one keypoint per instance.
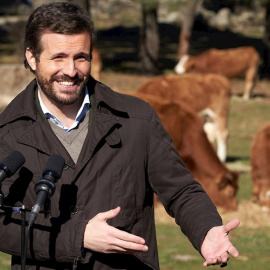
x,y
11,164
8,167
45,186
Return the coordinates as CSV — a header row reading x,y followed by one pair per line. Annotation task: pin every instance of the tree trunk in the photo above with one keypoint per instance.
x,y
266,40
186,31
149,38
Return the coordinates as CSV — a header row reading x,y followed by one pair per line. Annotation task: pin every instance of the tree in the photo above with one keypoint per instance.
x,y
266,40
186,31
149,38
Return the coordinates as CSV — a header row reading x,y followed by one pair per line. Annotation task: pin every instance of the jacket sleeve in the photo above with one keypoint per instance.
x,y
182,196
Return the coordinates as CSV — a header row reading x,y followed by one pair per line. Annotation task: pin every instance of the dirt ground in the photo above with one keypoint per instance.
x,y
14,78
250,214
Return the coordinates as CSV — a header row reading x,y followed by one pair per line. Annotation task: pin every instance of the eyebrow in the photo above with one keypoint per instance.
x,y
87,55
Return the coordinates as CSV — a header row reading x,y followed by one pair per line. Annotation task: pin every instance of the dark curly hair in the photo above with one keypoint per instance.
x,y
57,17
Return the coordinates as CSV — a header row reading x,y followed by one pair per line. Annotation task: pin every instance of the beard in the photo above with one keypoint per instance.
x,y
70,97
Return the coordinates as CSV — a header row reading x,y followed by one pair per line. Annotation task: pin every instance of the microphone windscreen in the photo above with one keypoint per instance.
x,y
13,161
54,164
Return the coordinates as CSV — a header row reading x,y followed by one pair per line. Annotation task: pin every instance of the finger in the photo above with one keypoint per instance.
x,y
224,257
231,225
128,237
233,251
129,247
109,214
212,261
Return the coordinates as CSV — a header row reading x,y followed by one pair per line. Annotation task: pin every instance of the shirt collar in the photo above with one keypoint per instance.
x,y
79,117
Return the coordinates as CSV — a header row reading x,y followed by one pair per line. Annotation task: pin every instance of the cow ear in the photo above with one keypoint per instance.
x,y
228,178
223,182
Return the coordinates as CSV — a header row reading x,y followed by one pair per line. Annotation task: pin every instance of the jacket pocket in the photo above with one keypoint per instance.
x,y
124,182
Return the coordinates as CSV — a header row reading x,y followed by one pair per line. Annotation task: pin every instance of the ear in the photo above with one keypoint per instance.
x,y
31,59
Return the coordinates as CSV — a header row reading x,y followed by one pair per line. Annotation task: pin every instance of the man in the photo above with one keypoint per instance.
x,y
116,154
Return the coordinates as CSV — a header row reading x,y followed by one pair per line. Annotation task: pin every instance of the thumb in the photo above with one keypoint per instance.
x,y
231,225
110,214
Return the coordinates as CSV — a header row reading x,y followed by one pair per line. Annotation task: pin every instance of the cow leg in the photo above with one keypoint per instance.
x,y
250,82
248,90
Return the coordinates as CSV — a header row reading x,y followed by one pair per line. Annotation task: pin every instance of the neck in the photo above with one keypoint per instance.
x,y
65,113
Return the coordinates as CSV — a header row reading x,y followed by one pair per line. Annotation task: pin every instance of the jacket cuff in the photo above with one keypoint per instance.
x,y
78,250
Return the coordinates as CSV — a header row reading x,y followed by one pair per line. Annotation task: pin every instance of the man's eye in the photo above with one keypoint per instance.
x,y
58,57
82,58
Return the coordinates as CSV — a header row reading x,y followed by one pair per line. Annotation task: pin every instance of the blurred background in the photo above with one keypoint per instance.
x,y
138,40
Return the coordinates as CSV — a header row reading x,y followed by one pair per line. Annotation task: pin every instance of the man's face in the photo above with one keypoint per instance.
x,y
63,68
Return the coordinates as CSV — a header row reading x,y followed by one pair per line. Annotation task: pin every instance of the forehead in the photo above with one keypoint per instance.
x,y
53,42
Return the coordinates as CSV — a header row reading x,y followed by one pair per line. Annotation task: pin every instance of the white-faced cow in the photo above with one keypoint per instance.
x,y
260,166
189,138
235,62
204,93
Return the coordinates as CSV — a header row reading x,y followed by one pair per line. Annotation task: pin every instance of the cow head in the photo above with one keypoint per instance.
x,y
261,192
223,192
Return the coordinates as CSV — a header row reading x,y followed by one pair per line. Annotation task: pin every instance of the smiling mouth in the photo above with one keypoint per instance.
x,y
67,83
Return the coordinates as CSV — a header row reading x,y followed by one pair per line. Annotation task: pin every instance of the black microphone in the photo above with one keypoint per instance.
x,y
11,164
8,167
45,186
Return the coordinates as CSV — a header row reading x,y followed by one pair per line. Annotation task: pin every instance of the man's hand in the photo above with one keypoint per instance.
x,y
216,246
101,237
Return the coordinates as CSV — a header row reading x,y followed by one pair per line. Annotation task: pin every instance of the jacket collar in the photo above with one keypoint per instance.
x,y
24,104
103,94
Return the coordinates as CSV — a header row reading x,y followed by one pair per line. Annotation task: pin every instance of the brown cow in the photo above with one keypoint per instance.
x,y
260,166
204,93
231,63
96,65
186,131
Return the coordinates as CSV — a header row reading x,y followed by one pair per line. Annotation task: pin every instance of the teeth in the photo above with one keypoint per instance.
x,y
66,83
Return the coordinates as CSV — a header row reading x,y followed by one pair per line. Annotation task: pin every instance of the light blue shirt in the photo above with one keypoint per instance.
x,y
79,117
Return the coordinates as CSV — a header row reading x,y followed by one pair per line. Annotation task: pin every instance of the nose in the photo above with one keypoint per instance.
x,y
69,68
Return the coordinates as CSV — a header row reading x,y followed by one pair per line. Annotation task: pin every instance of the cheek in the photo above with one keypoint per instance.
x,y
84,68
48,69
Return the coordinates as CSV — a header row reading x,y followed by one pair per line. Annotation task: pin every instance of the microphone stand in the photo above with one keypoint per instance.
x,y
22,210
23,246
